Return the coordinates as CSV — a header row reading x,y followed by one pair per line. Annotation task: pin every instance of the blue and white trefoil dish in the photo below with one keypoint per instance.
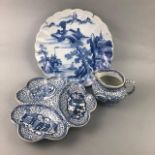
x,y
49,107
74,43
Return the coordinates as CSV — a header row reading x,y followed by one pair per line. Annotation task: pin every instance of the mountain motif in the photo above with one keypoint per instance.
x,y
84,57
71,19
73,36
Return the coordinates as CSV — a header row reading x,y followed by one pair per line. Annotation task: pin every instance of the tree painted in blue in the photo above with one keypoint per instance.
x,y
49,64
84,57
43,52
91,59
99,47
55,63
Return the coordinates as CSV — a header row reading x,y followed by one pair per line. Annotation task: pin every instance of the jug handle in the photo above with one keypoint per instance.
x,y
130,86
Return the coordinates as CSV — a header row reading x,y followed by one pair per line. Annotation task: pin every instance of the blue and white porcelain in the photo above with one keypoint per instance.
x,y
111,86
49,107
37,122
76,104
42,91
74,43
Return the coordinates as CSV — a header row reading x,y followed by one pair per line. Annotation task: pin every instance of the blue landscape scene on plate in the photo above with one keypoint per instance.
x,y
88,53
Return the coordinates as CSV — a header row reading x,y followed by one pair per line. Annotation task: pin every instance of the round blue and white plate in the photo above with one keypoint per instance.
x,y
74,43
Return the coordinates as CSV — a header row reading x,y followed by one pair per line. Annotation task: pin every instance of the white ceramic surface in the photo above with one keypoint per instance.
x,y
73,43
